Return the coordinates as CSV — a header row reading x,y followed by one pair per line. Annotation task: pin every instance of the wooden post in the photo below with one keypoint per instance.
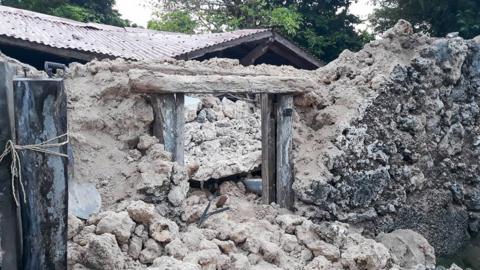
x,y
41,114
268,148
10,247
284,166
169,123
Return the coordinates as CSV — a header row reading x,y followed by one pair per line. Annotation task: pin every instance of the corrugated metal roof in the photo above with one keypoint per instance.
x,y
130,43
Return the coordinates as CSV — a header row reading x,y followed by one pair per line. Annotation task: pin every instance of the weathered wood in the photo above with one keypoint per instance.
x,y
284,166
10,252
150,82
268,149
258,51
168,125
179,152
296,54
41,114
225,45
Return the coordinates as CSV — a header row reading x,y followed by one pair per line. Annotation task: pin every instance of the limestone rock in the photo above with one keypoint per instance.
x,y
146,141
177,249
410,248
178,193
169,263
151,251
119,224
103,253
163,230
142,212
240,262
75,225
135,246
365,254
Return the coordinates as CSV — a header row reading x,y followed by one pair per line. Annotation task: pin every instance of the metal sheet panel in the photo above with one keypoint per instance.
x,y
128,43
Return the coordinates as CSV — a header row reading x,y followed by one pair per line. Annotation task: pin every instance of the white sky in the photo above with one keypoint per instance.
x,y
137,11
140,13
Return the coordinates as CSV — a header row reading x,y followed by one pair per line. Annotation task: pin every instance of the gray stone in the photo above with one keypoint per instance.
x,y
102,252
409,248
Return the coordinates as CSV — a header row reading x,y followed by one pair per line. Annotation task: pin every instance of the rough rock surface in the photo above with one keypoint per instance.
x,y
410,249
390,139
109,129
224,139
249,236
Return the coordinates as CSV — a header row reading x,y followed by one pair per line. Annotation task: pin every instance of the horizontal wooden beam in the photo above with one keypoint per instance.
x,y
144,81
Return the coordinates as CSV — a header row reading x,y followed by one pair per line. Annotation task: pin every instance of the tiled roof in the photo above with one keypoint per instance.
x,y
111,41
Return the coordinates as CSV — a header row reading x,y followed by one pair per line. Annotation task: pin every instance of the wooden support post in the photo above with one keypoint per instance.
x,y
268,148
284,166
40,115
169,121
9,223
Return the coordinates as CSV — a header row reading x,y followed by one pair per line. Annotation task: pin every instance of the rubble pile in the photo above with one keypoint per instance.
x,y
387,142
223,138
249,236
390,138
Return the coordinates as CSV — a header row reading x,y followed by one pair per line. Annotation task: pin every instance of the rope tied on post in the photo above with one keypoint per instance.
x,y
16,166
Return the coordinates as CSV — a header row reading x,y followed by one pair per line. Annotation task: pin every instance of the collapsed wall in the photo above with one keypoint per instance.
x,y
109,127
387,140
392,139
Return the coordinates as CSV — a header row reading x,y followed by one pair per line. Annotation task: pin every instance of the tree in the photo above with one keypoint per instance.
x,y
175,21
79,10
326,28
437,17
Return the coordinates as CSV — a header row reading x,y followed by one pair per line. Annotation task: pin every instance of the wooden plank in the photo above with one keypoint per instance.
x,y
179,152
284,166
268,148
224,45
297,52
168,125
151,82
41,114
10,247
258,51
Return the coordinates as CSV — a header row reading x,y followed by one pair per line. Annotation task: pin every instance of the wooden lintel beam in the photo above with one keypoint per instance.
x,y
258,51
148,82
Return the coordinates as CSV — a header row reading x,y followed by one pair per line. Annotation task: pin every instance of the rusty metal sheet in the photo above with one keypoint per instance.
x,y
128,43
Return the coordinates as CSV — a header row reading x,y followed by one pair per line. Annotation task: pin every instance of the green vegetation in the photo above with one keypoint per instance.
x,y
175,21
325,28
79,10
437,17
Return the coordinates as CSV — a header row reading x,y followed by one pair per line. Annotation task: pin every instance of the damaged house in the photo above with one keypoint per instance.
x,y
369,162
34,38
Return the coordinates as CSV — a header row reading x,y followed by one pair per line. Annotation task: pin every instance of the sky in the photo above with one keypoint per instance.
x,y
139,12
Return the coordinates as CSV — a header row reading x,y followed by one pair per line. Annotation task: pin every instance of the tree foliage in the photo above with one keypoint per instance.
x,y
79,10
437,17
175,21
325,27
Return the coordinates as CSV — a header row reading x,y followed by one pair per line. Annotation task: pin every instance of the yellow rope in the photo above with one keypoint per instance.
x,y
16,166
